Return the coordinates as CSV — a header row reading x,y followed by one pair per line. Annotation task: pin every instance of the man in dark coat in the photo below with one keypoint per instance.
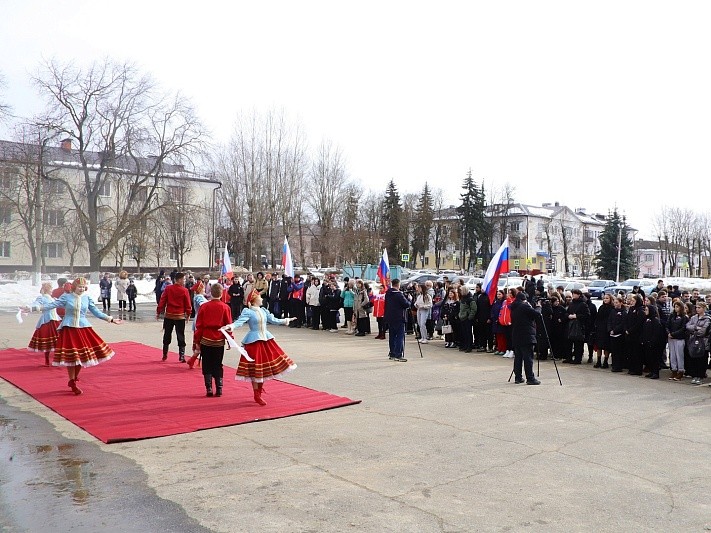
x,y
483,336
274,290
396,307
523,336
577,310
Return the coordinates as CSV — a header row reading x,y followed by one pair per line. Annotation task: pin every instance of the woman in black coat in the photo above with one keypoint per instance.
x,y
449,314
602,334
616,330
556,332
653,339
633,331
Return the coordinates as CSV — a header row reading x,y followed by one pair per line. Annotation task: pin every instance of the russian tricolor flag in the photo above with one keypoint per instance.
x,y
499,263
384,269
226,265
286,261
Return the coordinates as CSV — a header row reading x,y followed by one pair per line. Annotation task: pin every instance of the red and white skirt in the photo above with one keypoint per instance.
x,y
270,362
45,337
80,347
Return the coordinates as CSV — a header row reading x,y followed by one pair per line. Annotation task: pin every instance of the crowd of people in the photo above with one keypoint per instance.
x,y
642,334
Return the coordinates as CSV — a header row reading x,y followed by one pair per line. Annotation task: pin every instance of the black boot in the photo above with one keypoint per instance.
x,y
181,354
218,386
208,385
165,351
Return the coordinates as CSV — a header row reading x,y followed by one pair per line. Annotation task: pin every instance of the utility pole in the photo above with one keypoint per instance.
x,y
619,248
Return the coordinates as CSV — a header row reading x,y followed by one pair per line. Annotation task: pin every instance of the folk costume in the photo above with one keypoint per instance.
x,y
46,333
175,303
270,361
78,345
209,341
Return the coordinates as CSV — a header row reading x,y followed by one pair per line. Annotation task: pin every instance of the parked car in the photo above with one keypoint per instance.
x,y
420,278
574,285
623,288
509,282
597,287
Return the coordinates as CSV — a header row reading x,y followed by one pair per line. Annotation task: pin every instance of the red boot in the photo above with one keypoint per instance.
x,y
46,358
76,390
258,397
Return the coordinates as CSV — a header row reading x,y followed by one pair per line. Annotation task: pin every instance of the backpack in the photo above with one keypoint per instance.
x,y
505,314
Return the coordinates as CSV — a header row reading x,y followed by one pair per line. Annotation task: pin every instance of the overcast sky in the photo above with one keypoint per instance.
x,y
591,104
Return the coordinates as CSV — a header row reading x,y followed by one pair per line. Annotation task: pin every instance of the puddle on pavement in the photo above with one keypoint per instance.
x,y
72,479
50,483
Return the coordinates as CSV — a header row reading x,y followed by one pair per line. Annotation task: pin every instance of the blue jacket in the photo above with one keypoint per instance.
x,y
48,315
257,318
197,302
75,308
396,305
348,297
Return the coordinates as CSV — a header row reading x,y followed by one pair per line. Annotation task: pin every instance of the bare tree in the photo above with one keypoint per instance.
x,y
183,220
72,238
21,189
5,109
439,227
679,222
326,186
124,129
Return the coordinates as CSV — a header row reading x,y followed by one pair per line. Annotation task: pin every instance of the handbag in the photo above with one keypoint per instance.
x,y
447,329
697,347
575,331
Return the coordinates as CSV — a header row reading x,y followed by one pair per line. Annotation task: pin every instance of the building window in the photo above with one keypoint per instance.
x,y
516,242
177,194
53,217
648,258
5,214
515,226
7,177
4,248
52,250
173,253
105,189
141,194
55,187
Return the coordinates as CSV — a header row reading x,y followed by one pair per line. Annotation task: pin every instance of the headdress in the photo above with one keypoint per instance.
x,y
252,296
79,281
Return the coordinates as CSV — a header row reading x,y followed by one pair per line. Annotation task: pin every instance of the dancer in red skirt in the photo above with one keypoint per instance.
x,y
45,336
270,361
77,345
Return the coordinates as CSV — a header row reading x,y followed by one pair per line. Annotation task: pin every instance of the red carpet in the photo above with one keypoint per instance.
x,y
137,396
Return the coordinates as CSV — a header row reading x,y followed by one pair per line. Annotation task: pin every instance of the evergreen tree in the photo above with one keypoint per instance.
x,y
424,215
472,224
615,231
394,230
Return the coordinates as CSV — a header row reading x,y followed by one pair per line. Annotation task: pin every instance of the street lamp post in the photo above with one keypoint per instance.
x,y
619,248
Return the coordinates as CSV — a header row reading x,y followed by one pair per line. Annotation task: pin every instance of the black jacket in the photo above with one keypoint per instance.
x,y
483,308
395,307
633,322
523,321
617,321
677,325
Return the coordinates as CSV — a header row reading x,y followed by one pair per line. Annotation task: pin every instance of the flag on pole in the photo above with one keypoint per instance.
x,y
499,264
226,265
384,269
286,260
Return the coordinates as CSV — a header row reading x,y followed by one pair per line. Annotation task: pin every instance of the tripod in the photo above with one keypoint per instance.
x,y
418,330
538,369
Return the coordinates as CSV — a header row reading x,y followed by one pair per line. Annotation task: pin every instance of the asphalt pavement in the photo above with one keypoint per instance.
x,y
440,443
